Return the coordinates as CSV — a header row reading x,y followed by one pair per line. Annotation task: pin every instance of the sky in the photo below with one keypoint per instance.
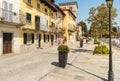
x,y
85,5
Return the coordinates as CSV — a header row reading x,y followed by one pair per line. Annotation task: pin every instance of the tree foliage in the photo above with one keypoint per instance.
x,y
84,27
99,19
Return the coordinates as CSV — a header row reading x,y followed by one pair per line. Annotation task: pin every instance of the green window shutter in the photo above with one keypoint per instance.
x,y
25,38
28,17
44,38
48,38
32,38
29,1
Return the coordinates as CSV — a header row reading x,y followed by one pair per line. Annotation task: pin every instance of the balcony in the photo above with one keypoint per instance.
x,y
10,17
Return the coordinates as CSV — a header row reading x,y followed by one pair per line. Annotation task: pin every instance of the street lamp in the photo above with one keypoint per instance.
x,y
110,72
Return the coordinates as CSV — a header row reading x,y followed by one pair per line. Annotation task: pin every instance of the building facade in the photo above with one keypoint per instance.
x,y
70,8
26,25
38,32
69,23
73,6
60,15
10,23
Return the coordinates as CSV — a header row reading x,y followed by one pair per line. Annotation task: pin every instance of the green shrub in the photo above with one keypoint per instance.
x,y
63,48
96,41
103,50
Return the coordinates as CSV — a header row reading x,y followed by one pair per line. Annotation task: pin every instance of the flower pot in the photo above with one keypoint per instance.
x,y
62,59
81,45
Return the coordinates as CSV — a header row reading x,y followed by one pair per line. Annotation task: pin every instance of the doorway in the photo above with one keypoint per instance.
x,y
7,43
52,39
39,40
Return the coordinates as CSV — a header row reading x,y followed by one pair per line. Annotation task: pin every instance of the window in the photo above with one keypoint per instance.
x,y
28,38
46,11
29,1
38,6
28,18
46,38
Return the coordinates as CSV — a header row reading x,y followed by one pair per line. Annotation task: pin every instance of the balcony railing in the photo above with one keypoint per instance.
x,y
11,17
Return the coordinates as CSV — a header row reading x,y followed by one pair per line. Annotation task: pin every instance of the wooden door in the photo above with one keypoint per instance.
x,y
7,43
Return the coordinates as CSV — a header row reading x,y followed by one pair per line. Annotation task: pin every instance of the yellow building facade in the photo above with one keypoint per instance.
x,y
69,23
38,31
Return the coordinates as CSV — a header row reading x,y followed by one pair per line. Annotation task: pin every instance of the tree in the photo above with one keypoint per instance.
x,y
93,30
84,27
99,15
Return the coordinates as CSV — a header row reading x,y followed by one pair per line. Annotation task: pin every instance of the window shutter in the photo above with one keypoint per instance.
x,y
28,18
5,10
32,38
48,38
44,38
25,38
10,12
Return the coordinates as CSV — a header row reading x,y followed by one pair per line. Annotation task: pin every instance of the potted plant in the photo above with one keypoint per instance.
x,y
81,42
63,54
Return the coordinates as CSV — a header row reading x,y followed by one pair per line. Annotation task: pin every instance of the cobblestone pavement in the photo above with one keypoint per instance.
x,y
42,65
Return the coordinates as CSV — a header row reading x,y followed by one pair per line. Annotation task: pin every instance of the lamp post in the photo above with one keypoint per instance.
x,y
110,72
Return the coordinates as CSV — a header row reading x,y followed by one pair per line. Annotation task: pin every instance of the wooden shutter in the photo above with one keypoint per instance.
x,y
5,10
10,12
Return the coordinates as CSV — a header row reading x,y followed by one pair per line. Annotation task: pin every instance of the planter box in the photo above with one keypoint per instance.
x,y
62,59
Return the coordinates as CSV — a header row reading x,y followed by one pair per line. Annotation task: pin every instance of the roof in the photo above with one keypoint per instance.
x,y
68,3
59,9
49,4
69,11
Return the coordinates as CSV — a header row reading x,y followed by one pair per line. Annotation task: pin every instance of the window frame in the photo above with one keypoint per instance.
x,y
28,38
29,1
38,6
29,21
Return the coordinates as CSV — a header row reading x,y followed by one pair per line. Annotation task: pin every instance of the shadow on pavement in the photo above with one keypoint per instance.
x,y
81,50
88,72
55,64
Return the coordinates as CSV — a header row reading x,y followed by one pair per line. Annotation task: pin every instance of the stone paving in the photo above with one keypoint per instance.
x,y
42,65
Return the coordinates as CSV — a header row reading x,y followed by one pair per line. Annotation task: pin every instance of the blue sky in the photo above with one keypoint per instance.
x,y
85,5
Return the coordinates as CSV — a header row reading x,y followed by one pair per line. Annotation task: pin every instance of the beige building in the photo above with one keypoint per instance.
x,y
70,9
10,23
59,17
69,23
73,6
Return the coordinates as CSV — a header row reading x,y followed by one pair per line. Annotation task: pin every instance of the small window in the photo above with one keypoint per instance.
x,y
38,6
46,11
29,1
28,18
